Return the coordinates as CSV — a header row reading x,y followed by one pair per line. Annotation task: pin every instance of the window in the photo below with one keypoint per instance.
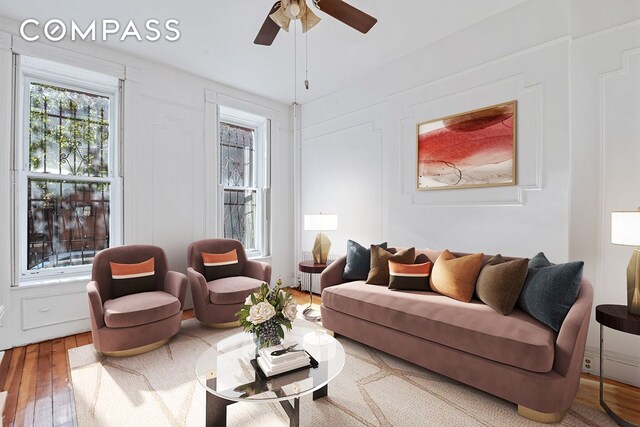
x,y
68,168
243,154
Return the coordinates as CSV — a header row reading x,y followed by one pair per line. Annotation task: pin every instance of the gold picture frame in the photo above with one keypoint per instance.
x,y
473,149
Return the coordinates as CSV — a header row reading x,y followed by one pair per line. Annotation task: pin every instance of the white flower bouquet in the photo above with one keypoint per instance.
x,y
266,312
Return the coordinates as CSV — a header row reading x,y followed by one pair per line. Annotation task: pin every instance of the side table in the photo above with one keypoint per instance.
x,y
615,317
312,268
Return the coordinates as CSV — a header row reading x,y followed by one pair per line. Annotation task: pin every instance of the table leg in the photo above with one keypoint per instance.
x,y
216,408
619,420
309,312
321,392
293,411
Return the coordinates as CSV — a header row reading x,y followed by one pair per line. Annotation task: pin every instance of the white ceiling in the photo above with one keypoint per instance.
x,y
217,37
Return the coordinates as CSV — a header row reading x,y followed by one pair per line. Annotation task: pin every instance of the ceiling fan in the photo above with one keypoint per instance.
x,y
284,11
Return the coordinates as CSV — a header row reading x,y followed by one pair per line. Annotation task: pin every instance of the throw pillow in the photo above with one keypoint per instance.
x,y
358,261
217,266
550,290
132,278
409,277
499,283
379,273
456,277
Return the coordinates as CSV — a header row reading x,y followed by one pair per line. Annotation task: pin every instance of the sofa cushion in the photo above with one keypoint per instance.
x,y
409,276
456,277
130,279
379,273
232,290
358,261
518,339
217,266
139,309
550,290
500,282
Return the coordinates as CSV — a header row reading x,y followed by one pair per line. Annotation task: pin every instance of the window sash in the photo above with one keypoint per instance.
x,y
260,178
24,79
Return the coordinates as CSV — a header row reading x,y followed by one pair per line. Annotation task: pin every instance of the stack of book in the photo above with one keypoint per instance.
x,y
273,365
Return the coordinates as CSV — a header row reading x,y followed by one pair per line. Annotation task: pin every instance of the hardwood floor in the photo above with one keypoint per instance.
x,y
40,393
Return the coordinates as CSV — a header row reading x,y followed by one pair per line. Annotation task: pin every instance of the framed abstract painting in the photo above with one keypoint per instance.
x,y
472,149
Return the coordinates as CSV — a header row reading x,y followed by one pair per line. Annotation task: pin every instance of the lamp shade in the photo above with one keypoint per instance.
x,y
320,222
625,228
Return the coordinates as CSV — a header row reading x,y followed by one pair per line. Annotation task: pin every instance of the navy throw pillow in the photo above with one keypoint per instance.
x,y
358,261
550,290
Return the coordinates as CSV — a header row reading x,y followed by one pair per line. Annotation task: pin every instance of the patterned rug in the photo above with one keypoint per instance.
x,y
374,389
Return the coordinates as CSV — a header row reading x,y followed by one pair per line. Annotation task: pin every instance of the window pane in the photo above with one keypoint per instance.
x,y
236,155
68,131
240,216
68,222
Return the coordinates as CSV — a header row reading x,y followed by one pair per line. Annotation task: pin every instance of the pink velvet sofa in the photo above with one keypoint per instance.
x,y
514,357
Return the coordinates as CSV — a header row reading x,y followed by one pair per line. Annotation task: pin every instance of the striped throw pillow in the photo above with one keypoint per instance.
x,y
409,276
217,266
133,278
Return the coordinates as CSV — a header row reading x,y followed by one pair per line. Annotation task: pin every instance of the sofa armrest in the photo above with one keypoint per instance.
x,y
199,290
258,270
332,275
571,340
96,311
176,284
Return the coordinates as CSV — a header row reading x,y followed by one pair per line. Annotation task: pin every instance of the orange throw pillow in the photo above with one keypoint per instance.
x,y
456,277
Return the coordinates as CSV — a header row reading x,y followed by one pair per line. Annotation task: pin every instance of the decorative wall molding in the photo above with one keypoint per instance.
x,y
5,41
54,53
492,196
59,303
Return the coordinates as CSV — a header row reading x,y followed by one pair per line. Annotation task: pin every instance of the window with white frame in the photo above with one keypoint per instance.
x,y
244,180
68,197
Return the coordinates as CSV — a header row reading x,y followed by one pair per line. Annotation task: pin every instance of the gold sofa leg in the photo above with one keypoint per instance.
x,y
541,417
224,325
136,351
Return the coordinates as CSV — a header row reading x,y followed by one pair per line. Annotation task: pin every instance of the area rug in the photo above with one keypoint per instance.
x,y
374,389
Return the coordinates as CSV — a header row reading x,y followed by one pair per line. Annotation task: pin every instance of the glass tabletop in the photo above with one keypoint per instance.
x,y
226,370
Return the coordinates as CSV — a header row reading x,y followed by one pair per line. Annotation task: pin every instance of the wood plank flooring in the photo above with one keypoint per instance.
x,y
40,393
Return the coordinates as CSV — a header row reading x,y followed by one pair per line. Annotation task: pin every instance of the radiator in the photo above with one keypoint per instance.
x,y
312,280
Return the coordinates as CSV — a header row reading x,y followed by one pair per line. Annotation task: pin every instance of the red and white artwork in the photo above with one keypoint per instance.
x,y
474,149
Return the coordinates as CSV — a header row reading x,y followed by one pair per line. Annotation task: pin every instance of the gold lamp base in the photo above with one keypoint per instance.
x,y
321,248
633,283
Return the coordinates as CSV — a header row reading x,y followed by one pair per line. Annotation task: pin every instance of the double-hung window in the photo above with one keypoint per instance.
x,y
68,197
244,180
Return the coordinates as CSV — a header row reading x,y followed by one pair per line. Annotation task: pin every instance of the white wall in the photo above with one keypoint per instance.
x,y
358,151
165,181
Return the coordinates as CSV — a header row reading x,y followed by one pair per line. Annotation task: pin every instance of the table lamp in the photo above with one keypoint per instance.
x,y
321,222
625,230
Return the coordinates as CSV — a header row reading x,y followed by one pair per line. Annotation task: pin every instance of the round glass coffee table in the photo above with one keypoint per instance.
x,y
226,373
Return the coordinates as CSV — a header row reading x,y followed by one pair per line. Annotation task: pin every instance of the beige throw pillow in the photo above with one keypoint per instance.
x,y
456,277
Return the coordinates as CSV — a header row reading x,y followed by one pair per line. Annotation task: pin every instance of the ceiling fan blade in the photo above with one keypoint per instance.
x,y
269,29
355,18
309,20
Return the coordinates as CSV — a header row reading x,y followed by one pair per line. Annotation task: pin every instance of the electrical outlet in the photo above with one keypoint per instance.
x,y
587,364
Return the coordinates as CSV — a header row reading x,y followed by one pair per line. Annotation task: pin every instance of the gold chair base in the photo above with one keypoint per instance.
x,y
541,417
223,325
136,351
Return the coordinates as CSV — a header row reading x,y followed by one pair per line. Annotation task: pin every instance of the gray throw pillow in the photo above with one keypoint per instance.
x,y
358,261
550,290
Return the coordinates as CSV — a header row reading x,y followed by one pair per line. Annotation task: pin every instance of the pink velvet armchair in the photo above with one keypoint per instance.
x,y
216,302
139,322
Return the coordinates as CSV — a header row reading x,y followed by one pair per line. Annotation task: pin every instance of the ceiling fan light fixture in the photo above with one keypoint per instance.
x,y
281,19
309,20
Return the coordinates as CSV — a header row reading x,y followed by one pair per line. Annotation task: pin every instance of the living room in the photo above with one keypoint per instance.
x,y
165,124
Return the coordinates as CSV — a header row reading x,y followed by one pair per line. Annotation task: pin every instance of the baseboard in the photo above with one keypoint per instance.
x,y
616,367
